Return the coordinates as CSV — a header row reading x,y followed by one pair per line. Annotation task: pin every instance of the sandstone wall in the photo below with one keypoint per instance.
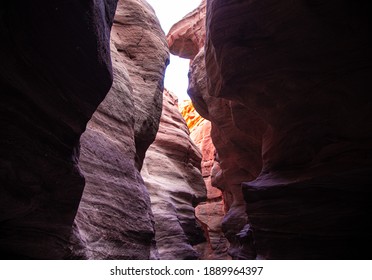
x,y
172,175
238,152
285,86
55,70
302,69
211,212
114,219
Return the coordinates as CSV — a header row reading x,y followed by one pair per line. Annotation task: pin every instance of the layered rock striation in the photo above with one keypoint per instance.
x,y
48,101
172,175
55,70
188,35
114,220
311,94
285,86
231,126
211,212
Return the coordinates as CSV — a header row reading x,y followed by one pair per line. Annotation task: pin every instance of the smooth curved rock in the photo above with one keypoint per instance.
x,y
55,70
302,68
325,217
286,87
211,212
172,175
187,36
231,126
114,219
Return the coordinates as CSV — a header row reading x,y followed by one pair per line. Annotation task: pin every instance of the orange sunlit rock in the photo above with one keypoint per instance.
x,y
192,118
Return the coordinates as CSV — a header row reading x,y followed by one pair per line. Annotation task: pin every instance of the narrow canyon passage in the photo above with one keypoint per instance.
x,y
270,159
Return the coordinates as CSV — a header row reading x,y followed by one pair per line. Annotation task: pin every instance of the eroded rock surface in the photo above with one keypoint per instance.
x,y
188,35
172,175
231,126
305,75
211,212
286,88
114,219
55,70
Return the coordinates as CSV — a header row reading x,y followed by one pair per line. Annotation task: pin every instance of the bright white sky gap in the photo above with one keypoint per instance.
x,y
169,12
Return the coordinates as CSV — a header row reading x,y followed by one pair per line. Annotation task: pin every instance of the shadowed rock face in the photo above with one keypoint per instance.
x,y
114,220
55,70
231,126
285,85
211,212
305,74
287,82
172,175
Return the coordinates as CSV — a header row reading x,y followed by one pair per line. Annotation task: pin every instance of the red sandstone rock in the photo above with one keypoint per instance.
x,y
191,116
211,212
300,73
55,70
172,175
285,86
188,35
236,163
231,124
114,220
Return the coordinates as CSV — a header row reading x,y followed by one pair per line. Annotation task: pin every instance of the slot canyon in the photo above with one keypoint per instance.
x,y
271,158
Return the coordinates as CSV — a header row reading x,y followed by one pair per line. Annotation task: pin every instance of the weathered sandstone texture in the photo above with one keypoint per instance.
x,y
211,212
55,70
230,128
286,88
172,175
188,35
114,220
236,136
